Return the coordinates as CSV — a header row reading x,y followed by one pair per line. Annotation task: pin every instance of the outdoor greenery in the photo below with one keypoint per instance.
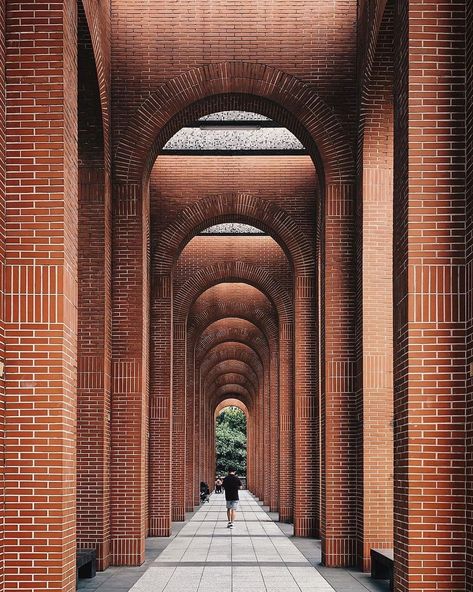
x,y
231,441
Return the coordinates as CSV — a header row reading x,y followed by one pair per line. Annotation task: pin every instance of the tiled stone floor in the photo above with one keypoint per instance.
x,y
256,556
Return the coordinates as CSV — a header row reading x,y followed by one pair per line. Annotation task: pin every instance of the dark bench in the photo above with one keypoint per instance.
x,y
86,563
382,565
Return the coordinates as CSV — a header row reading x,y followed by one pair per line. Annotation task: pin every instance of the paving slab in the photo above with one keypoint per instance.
x,y
257,555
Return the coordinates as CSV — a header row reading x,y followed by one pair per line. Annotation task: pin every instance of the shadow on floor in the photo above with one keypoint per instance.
x,y
342,580
122,579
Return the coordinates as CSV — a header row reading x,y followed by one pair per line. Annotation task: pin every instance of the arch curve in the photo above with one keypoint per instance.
x,y
138,147
241,207
227,272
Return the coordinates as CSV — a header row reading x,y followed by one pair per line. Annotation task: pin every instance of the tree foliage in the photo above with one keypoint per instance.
x,y
231,441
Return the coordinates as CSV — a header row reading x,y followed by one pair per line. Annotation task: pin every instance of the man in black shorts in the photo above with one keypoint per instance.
x,y
232,484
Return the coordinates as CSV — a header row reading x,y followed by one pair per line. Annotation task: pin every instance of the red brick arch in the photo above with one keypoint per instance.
x,y
265,322
233,271
232,351
235,207
232,366
239,331
95,15
233,378
233,391
231,403
139,145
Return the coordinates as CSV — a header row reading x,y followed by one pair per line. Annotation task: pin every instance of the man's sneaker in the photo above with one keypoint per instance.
x,y
231,524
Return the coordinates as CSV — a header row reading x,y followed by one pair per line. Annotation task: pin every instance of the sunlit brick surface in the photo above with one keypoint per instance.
x,y
344,329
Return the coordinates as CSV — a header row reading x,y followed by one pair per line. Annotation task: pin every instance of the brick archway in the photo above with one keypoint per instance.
x,y
241,207
232,272
231,366
231,403
265,322
230,351
241,331
233,390
243,349
139,145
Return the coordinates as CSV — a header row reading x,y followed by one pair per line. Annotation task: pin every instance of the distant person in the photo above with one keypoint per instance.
x,y
232,484
218,485
204,492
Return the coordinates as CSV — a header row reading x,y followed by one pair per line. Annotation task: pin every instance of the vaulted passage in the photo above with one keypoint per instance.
x,y
254,205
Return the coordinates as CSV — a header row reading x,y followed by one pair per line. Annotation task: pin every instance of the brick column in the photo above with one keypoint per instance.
x,y
265,388
191,427
2,275
250,469
469,294
374,302
160,427
129,376
286,422
260,477
199,430
306,410
94,363
274,425
338,516
40,296
179,476
429,298
375,373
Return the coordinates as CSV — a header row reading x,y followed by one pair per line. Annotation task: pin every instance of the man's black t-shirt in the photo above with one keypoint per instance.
x,y
232,484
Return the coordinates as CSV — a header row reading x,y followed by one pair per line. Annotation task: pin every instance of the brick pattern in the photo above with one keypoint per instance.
x,y
258,43
2,297
338,416
374,294
41,295
130,348
469,293
311,360
429,354
94,364
94,302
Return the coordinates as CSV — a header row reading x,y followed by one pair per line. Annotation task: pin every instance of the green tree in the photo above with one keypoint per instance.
x,y
230,435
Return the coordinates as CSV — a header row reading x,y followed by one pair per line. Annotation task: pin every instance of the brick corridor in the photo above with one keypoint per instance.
x,y
256,556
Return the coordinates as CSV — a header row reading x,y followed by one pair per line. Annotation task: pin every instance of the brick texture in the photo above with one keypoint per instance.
x,y
374,294
429,329
40,309
2,288
469,294
344,333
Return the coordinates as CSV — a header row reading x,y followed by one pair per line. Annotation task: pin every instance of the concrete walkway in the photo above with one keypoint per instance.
x,y
256,556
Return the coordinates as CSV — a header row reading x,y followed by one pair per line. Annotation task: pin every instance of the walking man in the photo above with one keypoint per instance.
x,y
232,484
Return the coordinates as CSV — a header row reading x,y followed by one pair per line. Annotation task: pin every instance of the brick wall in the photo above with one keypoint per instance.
x,y
469,293
41,295
429,354
178,181
270,33
374,331
2,269
94,313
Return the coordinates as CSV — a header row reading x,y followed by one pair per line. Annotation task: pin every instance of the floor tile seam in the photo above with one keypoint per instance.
x,y
308,562
258,564
282,560
205,562
183,553
316,567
